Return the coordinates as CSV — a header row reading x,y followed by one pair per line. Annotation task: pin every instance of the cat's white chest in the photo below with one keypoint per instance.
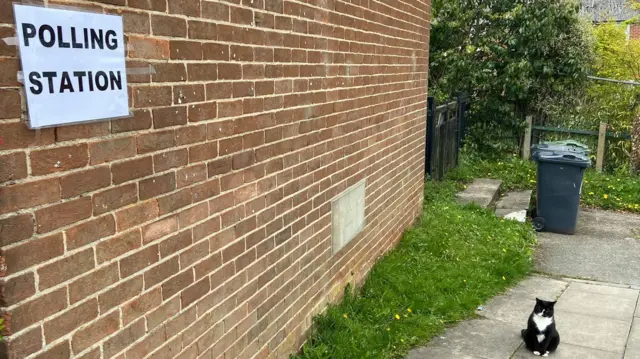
x,y
542,322
540,338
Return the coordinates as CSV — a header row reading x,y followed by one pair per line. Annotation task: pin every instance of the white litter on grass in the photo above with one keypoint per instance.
x,y
519,216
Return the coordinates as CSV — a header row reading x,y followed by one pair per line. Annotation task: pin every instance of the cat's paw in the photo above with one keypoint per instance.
x,y
546,354
536,353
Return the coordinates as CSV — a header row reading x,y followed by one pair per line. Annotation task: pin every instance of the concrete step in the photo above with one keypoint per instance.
x,y
481,191
514,205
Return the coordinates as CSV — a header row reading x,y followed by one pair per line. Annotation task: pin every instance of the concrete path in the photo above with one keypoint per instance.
x,y
595,321
606,247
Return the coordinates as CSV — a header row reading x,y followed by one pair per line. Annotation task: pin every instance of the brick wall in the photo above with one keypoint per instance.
x,y
634,31
201,227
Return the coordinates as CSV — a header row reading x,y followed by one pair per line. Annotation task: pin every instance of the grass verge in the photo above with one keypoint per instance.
x,y
453,260
619,191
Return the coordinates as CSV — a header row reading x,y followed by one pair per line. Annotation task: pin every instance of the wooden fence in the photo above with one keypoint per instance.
x,y
446,126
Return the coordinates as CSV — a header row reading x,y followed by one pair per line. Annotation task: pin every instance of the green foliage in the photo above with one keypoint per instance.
x,y
452,261
619,191
513,57
1,328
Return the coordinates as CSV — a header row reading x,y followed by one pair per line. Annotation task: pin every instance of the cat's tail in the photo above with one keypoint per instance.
x,y
523,333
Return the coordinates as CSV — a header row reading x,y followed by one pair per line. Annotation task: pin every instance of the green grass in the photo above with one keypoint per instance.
x,y
453,260
619,191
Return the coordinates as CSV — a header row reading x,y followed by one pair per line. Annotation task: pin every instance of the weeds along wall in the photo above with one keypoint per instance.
x,y
201,227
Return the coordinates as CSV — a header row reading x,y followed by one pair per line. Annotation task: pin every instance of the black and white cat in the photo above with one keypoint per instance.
x,y
541,336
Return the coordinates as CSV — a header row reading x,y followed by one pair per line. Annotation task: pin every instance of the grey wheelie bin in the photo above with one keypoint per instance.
x,y
560,175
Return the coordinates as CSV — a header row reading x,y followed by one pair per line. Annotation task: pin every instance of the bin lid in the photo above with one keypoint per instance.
x,y
563,157
564,146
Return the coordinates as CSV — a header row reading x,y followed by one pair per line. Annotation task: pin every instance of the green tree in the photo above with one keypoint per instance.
x,y
512,57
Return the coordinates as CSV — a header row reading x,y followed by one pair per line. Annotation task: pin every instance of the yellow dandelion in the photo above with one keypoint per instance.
x,y
591,193
397,316
409,310
605,196
465,281
388,329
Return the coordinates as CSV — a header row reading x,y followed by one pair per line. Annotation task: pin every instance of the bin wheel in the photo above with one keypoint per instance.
x,y
538,224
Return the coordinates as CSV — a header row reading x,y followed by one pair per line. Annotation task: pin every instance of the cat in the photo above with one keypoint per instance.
x,y
541,336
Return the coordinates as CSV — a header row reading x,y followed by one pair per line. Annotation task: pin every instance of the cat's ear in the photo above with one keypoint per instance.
x,y
538,300
552,304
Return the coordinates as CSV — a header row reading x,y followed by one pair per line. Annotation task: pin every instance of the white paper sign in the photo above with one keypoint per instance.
x,y
73,64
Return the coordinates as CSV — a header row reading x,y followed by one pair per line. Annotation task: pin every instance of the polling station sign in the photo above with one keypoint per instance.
x,y
73,65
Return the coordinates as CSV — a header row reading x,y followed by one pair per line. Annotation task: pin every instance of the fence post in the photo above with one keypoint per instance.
x,y
460,119
602,137
431,110
526,147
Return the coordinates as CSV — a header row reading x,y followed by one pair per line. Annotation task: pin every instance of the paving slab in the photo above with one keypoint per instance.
x,y
478,338
576,300
618,291
604,248
481,192
569,351
637,314
592,332
515,306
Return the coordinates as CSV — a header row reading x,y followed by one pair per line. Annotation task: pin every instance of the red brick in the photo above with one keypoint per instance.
x,y
191,134
13,166
138,261
147,48
96,331
174,201
160,272
156,5
203,111
176,284
17,135
63,214
17,289
185,50
155,141
123,339
111,150
215,11
208,265
138,214
33,252
185,7
159,229
141,305
21,347
194,254
9,72
119,245
114,198
169,72
15,229
141,120
206,229
156,186
120,294
203,152
65,268
195,292
230,145
219,167
151,341
220,129
229,71
93,354
33,311
152,96
85,130
169,26
160,315
213,51
9,98
222,203
59,351
58,159
93,282
190,175
71,319
85,181
169,116
134,22
133,169
29,194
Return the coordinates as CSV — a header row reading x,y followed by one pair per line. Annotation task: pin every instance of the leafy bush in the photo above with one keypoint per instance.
x,y
512,57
